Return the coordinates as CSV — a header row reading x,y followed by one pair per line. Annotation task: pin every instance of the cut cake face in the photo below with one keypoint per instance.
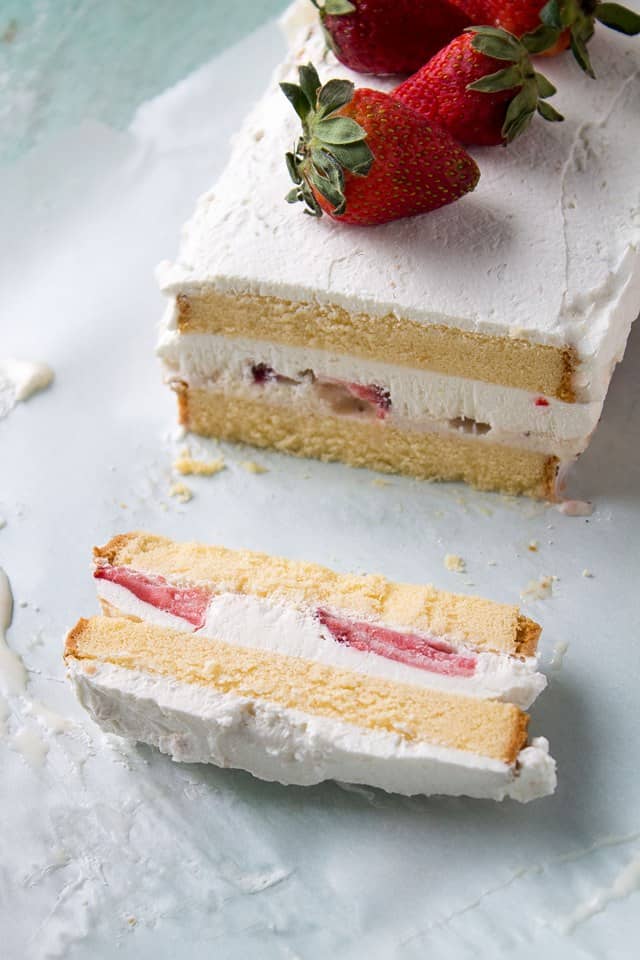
x,y
476,342
300,674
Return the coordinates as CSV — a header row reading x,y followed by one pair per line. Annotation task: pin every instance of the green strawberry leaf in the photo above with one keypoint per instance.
x,y
309,83
545,87
294,195
292,167
337,7
548,112
618,18
519,113
495,43
339,130
297,99
502,80
357,158
580,52
334,95
551,15
540,39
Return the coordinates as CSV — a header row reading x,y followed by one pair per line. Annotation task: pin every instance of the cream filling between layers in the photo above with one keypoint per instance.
x,y
258,623
198,724
420,399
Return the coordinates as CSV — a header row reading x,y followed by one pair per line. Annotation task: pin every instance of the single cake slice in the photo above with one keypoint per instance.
x,y
476,342
399,632
300,674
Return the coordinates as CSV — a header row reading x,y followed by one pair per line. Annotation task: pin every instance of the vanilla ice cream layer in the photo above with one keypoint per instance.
x,y
545,249
416,395
197,724
258,623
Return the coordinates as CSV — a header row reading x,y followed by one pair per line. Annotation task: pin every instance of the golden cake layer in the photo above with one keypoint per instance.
x,y
366,443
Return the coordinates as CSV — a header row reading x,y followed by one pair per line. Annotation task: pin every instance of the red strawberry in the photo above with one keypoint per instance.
x,y
468,90
366,158
388,36
573,21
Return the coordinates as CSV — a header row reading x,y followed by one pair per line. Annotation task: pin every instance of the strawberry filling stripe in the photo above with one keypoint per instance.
x,y
191,604
424,653
188,603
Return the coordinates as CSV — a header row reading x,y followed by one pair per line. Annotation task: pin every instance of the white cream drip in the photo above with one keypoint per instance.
x,y
19,380
13,675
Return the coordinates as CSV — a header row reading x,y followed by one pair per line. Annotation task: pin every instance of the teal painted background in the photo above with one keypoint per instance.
x,y
62,61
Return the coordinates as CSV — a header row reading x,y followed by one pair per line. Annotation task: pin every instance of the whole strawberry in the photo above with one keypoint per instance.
x,y
365,158
481,88
572,20
388,36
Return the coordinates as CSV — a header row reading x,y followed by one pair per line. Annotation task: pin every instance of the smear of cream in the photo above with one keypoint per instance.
x,y
257,882
31,745
557,657
54,722
626,883
13,675
19,380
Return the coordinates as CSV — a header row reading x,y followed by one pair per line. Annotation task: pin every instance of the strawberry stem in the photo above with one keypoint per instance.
x,y
579,17
330,143
533,88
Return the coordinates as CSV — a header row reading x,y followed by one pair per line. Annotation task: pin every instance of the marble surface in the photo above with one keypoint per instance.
x,y
110,849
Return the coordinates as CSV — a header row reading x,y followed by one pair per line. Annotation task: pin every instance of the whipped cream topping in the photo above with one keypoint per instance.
x,y
545,249
515,416
197,724
273,625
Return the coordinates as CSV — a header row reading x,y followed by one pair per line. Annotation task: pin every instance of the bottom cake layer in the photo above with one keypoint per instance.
x,y
283,719
366,443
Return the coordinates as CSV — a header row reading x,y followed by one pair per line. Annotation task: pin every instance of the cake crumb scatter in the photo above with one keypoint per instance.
x,y
533,546
587,573
181,492
381,482
454,563
538,589
189,466
252,467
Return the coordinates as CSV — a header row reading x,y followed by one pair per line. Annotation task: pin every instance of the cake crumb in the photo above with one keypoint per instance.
x,y
454,563
252,467
539,589
181,492
533,546
189,466
575,508
381,482
492,563
587,573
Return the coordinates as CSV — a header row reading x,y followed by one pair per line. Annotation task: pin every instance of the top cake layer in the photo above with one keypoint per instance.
x,y
545,250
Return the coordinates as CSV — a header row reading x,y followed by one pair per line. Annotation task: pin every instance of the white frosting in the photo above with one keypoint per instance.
x,y
417,395
546,248
261,624
197,724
